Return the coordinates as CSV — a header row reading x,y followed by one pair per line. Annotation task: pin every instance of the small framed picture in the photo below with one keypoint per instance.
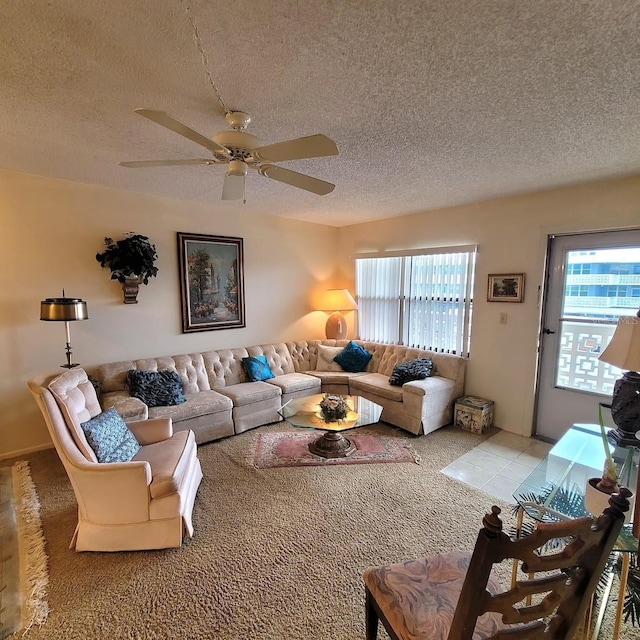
x,y
505,287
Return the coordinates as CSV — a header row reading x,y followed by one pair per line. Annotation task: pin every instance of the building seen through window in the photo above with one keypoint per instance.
x,y
600,285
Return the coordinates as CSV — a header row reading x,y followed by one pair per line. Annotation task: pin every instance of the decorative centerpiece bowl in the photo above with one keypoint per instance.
x,y
333,408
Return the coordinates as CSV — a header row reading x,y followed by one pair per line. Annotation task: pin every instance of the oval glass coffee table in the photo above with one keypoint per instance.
x,y
305,413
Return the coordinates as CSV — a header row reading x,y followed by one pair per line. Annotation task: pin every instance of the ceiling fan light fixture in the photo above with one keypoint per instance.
x,y
237,168
238,120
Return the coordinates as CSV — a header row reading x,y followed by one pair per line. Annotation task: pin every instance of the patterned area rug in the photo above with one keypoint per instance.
x,y
291,449
23,562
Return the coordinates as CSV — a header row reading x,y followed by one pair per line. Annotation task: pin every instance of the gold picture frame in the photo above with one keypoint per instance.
x,y
505,287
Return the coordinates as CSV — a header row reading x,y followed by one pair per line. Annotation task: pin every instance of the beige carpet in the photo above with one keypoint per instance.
x,y
277,553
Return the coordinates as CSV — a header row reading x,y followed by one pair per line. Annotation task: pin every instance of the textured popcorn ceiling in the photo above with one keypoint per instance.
x,y
431,103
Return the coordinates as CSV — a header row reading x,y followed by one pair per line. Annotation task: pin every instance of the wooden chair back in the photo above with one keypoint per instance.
x,y
552,605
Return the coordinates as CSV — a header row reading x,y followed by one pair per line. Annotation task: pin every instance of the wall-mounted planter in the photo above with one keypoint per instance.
x,y
131,287
132,263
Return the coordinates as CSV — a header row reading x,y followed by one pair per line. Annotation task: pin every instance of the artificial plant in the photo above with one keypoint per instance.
x,y
132,257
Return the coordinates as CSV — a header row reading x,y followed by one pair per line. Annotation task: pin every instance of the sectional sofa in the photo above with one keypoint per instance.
x,y
221,401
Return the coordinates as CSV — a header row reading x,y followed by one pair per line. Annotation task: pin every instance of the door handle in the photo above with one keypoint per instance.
x,y
548,331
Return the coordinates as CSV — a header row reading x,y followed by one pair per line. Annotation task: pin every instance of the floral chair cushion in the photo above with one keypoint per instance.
x,y
418,597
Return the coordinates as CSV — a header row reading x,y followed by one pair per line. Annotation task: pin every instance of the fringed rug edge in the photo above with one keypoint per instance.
x,y
34,575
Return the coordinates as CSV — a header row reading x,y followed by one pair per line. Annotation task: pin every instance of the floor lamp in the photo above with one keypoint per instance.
x,y
337,300
624,352
64,310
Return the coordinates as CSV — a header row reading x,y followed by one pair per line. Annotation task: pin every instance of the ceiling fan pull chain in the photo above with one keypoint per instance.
x,y
205,62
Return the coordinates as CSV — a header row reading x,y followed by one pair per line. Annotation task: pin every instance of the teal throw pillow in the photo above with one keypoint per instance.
x,y
110,438
413,370
257,368
156,388
353,358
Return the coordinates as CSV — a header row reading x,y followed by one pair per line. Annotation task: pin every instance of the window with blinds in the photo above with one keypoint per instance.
x,y
422,299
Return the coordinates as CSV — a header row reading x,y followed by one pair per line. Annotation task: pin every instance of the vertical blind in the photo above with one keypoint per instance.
x,y
421,299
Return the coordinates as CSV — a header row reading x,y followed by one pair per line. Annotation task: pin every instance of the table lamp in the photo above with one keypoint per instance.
x,y
64,310
624,352
336,300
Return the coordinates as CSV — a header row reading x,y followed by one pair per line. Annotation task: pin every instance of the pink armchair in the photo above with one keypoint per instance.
x,y
142,504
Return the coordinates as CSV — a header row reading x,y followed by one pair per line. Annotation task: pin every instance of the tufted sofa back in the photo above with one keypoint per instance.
x,y
304,354
199,371
216,369
278,357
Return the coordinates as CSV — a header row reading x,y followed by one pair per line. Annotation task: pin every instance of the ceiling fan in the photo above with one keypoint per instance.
x,y
240,150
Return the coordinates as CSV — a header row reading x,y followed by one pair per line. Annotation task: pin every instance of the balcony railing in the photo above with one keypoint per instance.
x,y
603,278
602,302
578,366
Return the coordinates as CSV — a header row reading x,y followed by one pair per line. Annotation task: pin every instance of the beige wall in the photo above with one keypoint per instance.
x,y
511,234
51,231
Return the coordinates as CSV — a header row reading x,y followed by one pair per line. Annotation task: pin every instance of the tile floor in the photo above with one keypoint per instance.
x,y
499,464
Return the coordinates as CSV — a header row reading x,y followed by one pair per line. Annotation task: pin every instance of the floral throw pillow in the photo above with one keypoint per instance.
x,y
110,438
412,370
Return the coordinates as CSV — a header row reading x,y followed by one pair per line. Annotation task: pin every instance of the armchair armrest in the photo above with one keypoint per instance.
x,y
433,384
152,430
113,493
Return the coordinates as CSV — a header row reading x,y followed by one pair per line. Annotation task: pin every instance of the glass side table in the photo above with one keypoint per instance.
x,y
554,491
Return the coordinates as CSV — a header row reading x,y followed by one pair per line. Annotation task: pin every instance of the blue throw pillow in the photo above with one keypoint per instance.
x,y
156,388
110,438
353,358
413,370
257,368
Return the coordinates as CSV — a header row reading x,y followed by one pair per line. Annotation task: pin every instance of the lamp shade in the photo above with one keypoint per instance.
x,y
337,300
63,309
624,349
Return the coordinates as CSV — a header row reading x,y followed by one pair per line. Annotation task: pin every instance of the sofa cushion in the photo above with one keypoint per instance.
x,y
353,358
110,438
413,370
377,384
125,404
334,377
169,461
257,368
246,393
197,404
296,382
156,388
326,355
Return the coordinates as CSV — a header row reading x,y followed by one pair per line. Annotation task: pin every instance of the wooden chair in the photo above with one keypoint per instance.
x,y
454,597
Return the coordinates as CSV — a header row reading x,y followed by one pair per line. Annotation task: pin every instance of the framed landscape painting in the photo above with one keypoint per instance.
x,y
505,287
211,282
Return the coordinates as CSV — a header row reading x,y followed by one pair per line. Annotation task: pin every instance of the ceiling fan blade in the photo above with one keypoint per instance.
x,y
165,120
296,179
233,187
316,146
166,163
